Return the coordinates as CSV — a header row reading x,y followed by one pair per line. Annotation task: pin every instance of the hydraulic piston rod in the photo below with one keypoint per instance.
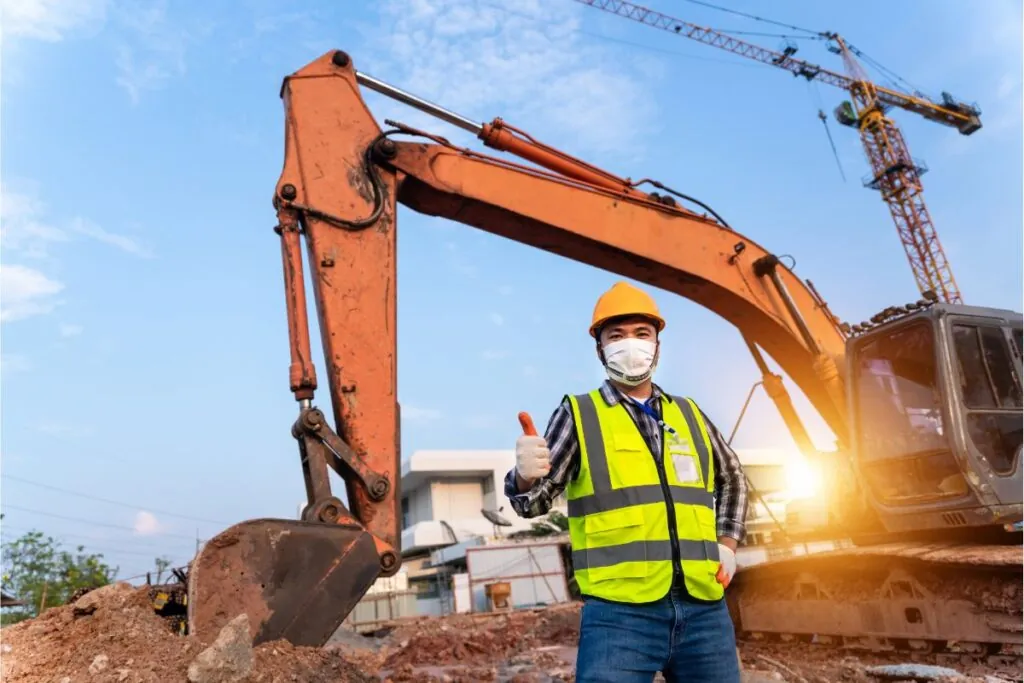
x,y
501,136
404,97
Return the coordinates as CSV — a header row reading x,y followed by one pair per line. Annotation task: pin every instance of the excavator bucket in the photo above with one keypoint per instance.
x,y
295,580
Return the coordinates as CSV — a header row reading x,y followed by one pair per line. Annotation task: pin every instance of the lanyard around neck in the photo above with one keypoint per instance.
x,y
654,416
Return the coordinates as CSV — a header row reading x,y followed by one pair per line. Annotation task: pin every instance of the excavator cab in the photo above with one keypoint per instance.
x,y
935,402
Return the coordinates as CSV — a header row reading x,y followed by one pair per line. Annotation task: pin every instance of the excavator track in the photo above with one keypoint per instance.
x,y
957,602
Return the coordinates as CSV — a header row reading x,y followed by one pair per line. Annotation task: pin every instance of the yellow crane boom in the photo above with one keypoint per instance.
x,y
895,174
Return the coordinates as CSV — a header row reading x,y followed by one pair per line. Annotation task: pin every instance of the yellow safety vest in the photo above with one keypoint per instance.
x,y
618,514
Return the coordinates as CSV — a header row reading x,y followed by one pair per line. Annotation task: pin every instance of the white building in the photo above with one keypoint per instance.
x,y
443,494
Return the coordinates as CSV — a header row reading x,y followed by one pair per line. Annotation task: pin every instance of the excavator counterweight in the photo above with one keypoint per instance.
x,y
917,452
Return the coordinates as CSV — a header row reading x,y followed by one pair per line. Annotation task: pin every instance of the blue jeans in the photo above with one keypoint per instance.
x,y
685,640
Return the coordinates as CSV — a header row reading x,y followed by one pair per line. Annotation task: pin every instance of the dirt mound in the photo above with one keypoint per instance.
x,y
112,635
559,625
528,646
456,648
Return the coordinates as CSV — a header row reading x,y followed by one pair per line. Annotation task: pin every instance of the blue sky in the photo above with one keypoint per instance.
x,y
144,349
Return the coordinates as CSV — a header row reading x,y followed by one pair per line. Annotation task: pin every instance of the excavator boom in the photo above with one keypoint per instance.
x,y
342,179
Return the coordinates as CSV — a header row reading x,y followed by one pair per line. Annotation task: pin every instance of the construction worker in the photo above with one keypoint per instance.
x,y
657,502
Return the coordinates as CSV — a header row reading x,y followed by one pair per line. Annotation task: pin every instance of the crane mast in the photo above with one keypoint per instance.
x,y
894,173
897,177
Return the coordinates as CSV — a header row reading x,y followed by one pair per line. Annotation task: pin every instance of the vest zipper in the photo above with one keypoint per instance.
x,y
659,463
670,508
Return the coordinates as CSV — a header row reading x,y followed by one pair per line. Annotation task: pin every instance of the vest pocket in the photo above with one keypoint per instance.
x,y
615,545
597,525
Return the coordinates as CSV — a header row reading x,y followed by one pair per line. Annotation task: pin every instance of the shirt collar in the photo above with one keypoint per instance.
x,y
612,396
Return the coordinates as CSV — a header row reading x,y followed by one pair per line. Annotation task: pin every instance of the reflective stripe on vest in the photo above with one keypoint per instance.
x,y
620,532
606,498
642,551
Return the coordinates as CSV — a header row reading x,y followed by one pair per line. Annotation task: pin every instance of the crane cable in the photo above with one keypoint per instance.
x,y
897,81
812,88
831,142
894,78
754,17
788,36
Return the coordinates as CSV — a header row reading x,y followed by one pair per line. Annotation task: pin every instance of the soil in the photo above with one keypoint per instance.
x,y
112,635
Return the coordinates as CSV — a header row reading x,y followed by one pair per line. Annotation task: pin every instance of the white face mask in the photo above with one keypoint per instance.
x,y
630,361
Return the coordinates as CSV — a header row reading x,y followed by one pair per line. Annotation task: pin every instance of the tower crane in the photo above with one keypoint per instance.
x,y
894,173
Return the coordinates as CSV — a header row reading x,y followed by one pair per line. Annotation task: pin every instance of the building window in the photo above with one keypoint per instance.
x,y
426,588
405,512
488,485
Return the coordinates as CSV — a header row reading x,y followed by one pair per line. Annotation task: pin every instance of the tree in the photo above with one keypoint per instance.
x,y
40,572
552,524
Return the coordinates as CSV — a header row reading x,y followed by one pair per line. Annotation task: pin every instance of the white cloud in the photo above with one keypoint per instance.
x,y
49,20
153,50
420,414
26,292
527,63
63,430
22,228
14,362
27,233
493,354
146,524
149,48
497,318
122,242
70,330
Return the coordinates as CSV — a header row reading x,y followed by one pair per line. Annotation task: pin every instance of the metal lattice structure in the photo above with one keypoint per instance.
x,y
895,174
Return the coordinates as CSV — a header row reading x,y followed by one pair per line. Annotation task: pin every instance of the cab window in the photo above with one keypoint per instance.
x,y
991,391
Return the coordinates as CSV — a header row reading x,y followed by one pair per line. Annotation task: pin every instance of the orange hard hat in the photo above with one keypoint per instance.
x,y
625,299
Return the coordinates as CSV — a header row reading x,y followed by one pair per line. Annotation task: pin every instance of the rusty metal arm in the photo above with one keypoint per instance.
x,y
343,176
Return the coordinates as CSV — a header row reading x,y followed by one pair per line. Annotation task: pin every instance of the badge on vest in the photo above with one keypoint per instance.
x,y
684,460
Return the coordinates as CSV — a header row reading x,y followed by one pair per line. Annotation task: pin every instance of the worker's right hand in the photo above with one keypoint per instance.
x,y
533,460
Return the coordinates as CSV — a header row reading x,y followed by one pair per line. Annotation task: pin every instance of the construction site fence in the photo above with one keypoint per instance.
x,y
376,609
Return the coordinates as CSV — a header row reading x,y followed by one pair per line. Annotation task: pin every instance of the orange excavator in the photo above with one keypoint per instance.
x,y
924,399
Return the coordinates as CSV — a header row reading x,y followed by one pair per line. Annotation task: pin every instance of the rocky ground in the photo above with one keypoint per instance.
x,y
112,635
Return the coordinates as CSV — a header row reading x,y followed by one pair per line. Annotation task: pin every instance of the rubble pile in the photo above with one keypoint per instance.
x,y
530,646
112,635
809,664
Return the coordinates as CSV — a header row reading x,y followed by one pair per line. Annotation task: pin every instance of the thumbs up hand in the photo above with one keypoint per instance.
x,y
533,460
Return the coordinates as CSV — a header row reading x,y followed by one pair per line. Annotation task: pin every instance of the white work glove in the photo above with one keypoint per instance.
x,y
533,460
728,567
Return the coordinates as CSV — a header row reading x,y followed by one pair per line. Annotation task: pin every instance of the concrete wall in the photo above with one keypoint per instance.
x,y
456,499
534,571
429,607
420,505
376,608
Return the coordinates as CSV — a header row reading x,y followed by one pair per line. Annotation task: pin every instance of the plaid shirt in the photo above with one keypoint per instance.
x,y
564,445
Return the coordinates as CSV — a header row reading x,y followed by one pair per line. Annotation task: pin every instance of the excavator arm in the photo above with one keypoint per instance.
x,y
342,179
